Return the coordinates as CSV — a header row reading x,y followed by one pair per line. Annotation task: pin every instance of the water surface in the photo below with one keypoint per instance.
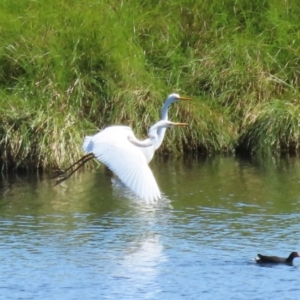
x,y
90,239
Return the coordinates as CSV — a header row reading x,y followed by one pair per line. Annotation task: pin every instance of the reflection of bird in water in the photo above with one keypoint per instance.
x,y
112,144
263,259
119,149
141,264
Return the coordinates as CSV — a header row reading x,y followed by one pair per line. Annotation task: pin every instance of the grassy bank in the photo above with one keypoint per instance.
x,y
68,68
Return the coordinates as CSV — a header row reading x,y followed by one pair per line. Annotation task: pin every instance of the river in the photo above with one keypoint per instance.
x,y
89,238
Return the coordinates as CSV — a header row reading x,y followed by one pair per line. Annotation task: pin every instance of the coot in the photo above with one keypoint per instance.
x,y
263,259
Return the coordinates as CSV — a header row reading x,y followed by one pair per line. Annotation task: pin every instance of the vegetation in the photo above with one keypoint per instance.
x,y
69,68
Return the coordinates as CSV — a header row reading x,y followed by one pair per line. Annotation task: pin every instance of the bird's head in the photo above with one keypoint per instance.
x,y
174,98
164,124
295,254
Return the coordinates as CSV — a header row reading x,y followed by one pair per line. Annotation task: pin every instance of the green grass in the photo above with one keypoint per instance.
x,y
70,68
272,127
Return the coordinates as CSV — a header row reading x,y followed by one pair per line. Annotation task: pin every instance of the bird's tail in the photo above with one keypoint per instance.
x,y
87,144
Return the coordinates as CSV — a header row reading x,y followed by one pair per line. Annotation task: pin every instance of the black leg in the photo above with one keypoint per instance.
x,y
82,161
87,156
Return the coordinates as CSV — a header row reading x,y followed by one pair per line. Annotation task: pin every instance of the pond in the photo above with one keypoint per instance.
x,y
89,238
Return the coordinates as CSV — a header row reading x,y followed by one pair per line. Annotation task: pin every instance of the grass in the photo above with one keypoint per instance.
x,y
70,68
272,127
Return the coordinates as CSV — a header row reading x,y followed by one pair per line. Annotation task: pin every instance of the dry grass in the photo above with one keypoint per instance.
x,y
69,69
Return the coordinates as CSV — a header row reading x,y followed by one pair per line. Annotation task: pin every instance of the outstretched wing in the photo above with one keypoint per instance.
x,y
112,147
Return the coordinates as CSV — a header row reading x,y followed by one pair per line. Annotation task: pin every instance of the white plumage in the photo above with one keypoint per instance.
x,y
125,155
120,151
149,151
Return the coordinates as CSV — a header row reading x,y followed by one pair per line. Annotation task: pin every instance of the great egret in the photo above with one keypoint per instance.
x,y
119,149
164,115
149,151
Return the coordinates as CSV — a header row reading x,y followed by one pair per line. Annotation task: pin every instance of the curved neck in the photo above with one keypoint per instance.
x,y
160,137
290,258
164,110
164,116
136,142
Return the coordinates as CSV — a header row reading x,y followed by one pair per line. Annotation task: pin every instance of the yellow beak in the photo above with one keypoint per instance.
x,y
184,98
179,124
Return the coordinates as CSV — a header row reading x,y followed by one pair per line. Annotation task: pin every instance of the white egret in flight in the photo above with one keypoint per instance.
x,y
119,149
147,151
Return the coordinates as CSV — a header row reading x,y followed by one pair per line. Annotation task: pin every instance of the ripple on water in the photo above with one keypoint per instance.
x,y
79,242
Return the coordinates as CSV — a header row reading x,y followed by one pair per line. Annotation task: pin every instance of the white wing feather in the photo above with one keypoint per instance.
x,y
112,147
88,144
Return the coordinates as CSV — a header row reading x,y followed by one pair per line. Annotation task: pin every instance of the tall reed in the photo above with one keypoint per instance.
x,y
70,68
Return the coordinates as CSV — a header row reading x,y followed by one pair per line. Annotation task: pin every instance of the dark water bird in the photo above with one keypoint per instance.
x,y
264,259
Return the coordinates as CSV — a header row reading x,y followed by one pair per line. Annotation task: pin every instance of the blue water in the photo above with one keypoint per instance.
x,y
88,239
